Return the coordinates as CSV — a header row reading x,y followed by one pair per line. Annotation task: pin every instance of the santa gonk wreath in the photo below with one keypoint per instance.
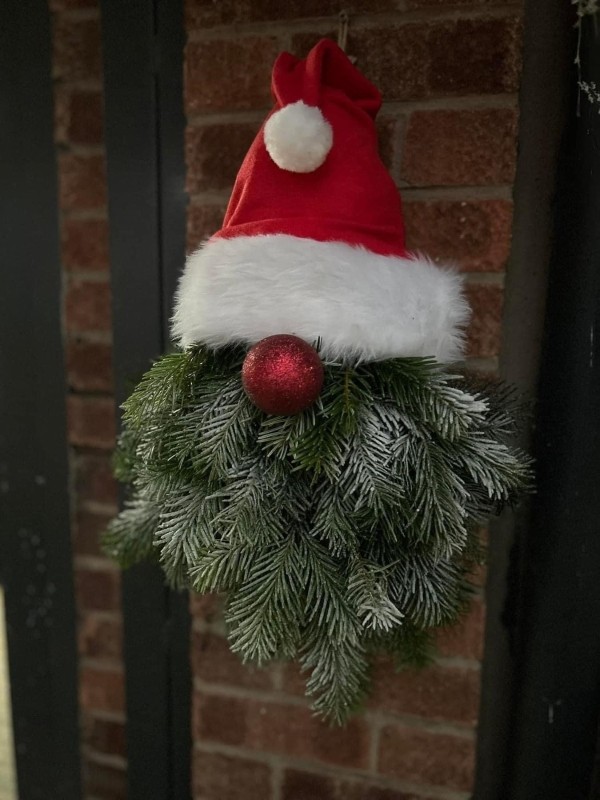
x,y
308,451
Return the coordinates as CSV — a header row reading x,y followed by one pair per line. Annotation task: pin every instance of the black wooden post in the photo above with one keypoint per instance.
x,y
543,111
557,704
143,44
35,544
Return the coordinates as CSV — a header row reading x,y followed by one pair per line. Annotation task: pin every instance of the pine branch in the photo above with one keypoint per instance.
x,y
167,386
429,591
225,430
222,567
368,593
339,671
129,538
334,521
438,515
348,527
265,618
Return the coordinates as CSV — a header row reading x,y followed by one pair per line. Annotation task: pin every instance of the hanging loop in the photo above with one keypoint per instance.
x,y
344,24
343,28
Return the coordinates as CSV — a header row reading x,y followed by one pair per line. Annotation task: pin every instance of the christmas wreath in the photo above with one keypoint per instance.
x,y
308,451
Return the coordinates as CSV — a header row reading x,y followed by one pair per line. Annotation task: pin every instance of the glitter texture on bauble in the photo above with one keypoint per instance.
x,y
282,375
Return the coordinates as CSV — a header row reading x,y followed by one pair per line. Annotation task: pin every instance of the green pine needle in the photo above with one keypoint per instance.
x,y
343,530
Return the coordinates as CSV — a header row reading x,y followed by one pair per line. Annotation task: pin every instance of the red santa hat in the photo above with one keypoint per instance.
x,y
313,238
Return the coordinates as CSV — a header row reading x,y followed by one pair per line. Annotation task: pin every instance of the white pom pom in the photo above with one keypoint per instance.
x,y
298,137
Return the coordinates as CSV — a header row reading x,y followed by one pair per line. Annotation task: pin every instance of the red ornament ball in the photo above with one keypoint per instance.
x,y
282,375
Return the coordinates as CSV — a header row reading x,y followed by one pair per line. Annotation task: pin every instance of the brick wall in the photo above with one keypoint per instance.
x,y
449,73
77,72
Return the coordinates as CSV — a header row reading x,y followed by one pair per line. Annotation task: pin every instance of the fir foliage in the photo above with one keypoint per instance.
x,y
347,528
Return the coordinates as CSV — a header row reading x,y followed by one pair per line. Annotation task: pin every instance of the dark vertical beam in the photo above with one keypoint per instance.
x,y
170,30
543,111
557,689
35,550
143,64
170,45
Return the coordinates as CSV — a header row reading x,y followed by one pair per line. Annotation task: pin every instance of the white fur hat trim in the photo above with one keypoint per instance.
x,y
362,306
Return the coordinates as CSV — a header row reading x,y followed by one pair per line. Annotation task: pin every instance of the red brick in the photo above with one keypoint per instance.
x,y
302,43
274,9
77,49
219,777
202,222
449,148
475,234
394,58
437,693
443,4
205,13
299,785
414,61
85,244
86,124
68,5
78,116
484,333
201,14
275,728
82,182
214,155
222,719
98,589
293,679
104,736
91,421
484,56
104,781
234,74
94,481
87,306
365,791
307,786
102,689
465,639
479,573
100,636
87,530
89,366
213,661
425,757
205,607
62,113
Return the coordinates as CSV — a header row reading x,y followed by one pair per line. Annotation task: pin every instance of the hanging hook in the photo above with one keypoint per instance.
x,y
343,28
344,24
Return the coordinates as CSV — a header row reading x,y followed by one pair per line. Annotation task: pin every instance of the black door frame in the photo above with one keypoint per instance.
x,y
143,44
556,713
540,713
36,567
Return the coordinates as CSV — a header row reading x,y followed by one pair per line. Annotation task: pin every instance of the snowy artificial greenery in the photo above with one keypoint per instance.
x,y
586,9
591,91
348,528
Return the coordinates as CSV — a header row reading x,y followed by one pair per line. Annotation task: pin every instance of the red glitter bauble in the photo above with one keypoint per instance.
x,y
282,375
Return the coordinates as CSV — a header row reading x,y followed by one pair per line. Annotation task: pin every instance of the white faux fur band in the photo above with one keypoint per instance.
x,y
362,306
